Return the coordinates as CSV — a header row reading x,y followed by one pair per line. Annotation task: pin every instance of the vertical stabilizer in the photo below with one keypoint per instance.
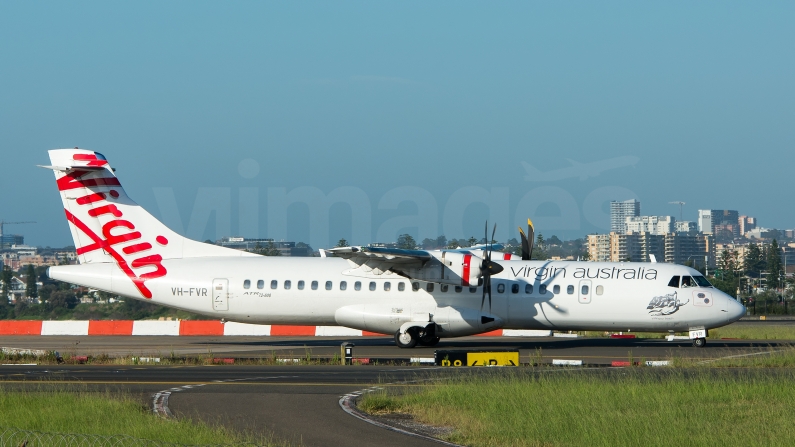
x,y
109,227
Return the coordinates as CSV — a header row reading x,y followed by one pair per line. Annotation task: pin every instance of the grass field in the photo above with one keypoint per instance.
x,y
636,406
103,414
760,331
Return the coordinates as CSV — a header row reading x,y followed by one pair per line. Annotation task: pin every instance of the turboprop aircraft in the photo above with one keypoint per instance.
x,y
419,296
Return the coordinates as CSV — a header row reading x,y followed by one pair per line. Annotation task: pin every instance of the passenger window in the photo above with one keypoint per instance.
x,y
343,285
288,284
301,285
584,290
314,285
415,286
401,286
473,289
570,290
357,285
260,284
387,286
674,282
274,284
514,288
528,289
247,284
600,290
444,287
329,285
542,289
372,286
458,289
429,287
687,281
556,289
500,288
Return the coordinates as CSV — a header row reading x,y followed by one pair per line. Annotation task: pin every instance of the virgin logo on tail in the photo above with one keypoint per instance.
x,y
98,205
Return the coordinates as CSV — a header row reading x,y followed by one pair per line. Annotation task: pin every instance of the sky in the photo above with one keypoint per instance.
x,y
315,121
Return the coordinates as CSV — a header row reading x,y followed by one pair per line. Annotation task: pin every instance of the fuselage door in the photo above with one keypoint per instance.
x,y
220,294
584,292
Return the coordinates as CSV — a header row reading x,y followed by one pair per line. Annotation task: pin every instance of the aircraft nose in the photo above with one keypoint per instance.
x,y
736,310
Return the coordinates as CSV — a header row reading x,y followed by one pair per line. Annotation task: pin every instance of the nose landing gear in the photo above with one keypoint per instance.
x,y
699,342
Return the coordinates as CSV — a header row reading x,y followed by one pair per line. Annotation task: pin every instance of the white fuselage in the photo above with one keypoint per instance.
x,y
559,295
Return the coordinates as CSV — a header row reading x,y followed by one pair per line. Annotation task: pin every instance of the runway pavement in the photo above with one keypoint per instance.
x,y
596,351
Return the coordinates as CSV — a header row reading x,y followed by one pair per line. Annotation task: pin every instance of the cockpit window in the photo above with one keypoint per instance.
x,y
688,282
701,281
674,282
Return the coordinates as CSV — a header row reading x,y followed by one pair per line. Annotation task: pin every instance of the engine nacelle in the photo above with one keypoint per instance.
x,y
450,267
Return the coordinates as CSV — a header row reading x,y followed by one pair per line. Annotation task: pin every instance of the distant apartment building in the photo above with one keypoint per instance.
x,y
7,240
638,247
698,248
704,221
719,222
747,223
619,211
599,247
685,227
650,224
20,256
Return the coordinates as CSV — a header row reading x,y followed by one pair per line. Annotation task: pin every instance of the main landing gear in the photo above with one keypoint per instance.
x,y
699,342
416,335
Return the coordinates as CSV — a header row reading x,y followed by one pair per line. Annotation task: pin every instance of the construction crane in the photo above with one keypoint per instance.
x,y
681,204
2,232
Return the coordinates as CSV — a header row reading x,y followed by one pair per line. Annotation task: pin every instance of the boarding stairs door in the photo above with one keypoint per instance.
x,y
220,294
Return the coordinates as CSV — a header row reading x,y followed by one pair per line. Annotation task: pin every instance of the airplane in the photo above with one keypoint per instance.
x,y
417,296
577,169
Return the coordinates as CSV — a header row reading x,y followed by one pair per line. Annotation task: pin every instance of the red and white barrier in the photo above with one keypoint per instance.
x,y
202,327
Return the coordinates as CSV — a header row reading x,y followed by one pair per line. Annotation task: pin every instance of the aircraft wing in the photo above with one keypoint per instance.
x,y
378,260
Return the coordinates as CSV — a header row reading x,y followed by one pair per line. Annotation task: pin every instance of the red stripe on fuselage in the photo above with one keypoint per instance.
x,y
465,272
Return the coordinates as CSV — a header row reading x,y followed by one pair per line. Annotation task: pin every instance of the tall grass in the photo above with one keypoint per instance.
x,y
635,406
51,410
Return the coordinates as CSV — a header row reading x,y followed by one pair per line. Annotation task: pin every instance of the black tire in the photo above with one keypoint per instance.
x,y
429,341
406,344
699,342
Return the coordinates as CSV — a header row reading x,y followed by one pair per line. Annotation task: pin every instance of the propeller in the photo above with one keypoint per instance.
x,y
527,241
488,268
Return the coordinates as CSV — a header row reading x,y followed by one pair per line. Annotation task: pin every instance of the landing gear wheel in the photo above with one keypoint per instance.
x,y
407,340
699,342
429,341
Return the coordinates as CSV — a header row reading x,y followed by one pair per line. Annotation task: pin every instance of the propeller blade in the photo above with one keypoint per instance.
x,y
525,245
489,293
487,257
531,234
483,298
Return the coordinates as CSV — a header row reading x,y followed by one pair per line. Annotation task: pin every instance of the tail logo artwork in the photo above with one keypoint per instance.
x,y
114,232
